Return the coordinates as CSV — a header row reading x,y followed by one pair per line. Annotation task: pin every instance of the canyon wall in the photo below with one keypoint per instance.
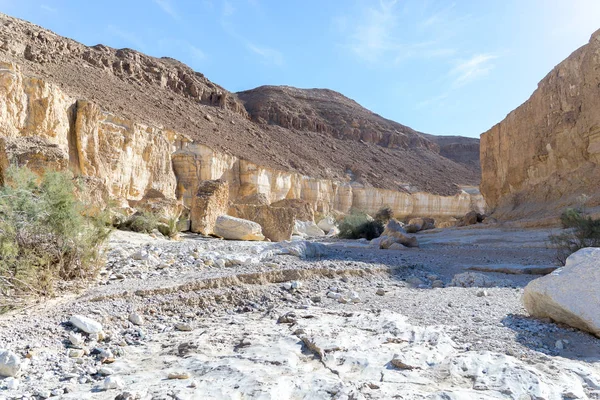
x,y
41,126
546,153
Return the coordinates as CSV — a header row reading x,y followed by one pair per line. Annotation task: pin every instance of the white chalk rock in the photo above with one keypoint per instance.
x,y
237,228
10,363
307,229
327,224
112,382
86,324
136,319
570,294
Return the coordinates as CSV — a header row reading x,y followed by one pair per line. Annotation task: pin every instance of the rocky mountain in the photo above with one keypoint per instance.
x,y
546,153
136,123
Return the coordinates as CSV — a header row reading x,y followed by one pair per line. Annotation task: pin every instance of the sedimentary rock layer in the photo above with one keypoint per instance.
x,y
546,153
41,126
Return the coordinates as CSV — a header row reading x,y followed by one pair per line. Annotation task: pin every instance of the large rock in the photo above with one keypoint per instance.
x,y
307,229
210,202
394,229
277,222
419,224
229,227
303,209
86,324
571,294
546,152
10,363
327,224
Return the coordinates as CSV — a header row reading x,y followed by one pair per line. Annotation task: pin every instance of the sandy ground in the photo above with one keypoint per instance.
x,y
453,342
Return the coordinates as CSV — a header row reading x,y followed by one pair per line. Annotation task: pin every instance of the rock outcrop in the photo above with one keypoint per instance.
x,y
210,202
133,125
277,222
546,152
571,294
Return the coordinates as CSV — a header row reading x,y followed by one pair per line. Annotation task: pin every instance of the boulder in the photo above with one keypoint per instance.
x,y
571,294
327,224
155,202
303,209
10,363
210,201
277,222
237,229
307,229
394,229
256,199
471,218
449,223
86,324
419,224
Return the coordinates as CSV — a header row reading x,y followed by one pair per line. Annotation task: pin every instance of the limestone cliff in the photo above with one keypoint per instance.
x,y
546,153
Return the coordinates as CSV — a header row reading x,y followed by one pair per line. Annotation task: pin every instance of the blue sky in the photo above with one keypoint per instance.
x,y
440,67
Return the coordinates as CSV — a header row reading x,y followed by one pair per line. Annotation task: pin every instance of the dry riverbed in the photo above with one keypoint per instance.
x,y
210,319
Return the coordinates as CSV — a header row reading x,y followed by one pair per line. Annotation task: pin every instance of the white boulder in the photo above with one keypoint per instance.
x,y
571,294
86,324
307,229
10,363
237,229
327,224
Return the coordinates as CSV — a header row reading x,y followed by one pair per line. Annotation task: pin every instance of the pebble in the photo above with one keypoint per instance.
x,y
75,353
76,339
482,293
179,375
437,284
136,319
380,292
105,371
559,345
182,326
12,383
112,382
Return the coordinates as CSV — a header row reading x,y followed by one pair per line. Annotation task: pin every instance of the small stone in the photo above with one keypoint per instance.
x,y
316,299
86,324
12,383
296,285
559,345
182,326
112,382
57,392
105,371
414,281
287,318
193,384
482,293
334,295
380,292
76,339
44,394
136,319
437,284
10,363
179,375
287,286
398,363
75,353
354,297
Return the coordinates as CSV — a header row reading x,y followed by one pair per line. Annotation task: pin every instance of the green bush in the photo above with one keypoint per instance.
x,y
44,235
358,225
143,222
582,231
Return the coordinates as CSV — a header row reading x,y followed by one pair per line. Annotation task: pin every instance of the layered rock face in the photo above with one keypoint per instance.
x,y
140,128
546,153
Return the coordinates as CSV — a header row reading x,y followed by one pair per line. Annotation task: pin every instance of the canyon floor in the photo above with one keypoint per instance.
x,y
330,320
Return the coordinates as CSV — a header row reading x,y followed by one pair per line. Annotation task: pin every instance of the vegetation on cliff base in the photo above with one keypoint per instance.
x,y
44,234
581,231
358,225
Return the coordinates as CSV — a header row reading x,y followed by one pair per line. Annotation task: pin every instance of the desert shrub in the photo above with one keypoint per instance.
x,y
359,225
44,235
384,215
582,231
168,229
143,222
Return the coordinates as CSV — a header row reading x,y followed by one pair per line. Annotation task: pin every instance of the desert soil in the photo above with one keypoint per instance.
x,y
242,320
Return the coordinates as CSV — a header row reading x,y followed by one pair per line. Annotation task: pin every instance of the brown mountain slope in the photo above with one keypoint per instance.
x,y
167,93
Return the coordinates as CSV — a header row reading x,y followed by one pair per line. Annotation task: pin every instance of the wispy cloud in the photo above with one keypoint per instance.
x,y
194,54
477,66
435,100
127,37
49,9
167,7
228,9
269,56
377,34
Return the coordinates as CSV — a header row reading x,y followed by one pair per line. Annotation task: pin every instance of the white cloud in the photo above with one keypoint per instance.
x,y
49,9
228,9
479,65
167,7
269,56
126,36
436,100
